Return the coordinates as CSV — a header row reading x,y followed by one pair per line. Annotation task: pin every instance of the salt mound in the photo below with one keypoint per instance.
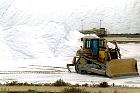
x,y
36,42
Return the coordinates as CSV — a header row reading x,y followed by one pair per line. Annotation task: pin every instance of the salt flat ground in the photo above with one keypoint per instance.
x,y
51,69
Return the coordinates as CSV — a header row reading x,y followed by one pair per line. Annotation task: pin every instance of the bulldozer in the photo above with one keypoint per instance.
x,y
96,57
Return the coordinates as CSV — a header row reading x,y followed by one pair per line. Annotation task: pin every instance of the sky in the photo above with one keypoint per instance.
x,y
118,16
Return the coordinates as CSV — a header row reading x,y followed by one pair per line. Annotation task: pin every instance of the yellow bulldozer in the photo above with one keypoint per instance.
x,y
96,57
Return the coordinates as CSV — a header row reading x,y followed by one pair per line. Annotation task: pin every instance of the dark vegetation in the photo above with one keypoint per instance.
x,y
77,88
103,84
59,82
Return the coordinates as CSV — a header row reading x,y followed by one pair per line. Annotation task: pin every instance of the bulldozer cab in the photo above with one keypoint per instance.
x,y
100,49
94,44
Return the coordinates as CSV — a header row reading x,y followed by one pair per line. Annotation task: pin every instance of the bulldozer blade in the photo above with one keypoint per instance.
x,y
121,67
